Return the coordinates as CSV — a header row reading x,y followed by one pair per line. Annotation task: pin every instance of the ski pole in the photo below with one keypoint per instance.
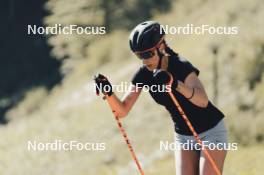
x,y
131,150
187,121
123,132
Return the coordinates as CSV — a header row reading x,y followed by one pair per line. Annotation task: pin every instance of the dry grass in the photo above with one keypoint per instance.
x,y
72,112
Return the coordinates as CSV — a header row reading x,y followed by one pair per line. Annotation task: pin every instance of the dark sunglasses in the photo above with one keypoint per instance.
x,y
145,55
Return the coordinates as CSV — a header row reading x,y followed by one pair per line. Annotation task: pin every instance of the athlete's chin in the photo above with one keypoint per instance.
x,y
151,68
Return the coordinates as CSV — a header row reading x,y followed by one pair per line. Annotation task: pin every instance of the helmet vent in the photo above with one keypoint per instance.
x,y
135,38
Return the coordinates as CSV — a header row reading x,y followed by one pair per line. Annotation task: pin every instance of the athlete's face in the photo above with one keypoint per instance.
x,y
152,62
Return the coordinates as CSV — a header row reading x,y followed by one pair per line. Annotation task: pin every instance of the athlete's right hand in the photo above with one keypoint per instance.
x,y
102,85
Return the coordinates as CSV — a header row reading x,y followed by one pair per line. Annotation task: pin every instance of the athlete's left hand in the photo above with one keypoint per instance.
x,y
163,77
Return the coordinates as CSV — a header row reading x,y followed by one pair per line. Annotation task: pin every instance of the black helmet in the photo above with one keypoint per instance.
x,y
146,36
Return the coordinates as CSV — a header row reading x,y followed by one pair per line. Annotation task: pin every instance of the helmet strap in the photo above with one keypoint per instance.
x,y
163,60
160,58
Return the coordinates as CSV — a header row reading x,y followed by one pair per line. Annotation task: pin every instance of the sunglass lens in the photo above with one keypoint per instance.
x,y
145,55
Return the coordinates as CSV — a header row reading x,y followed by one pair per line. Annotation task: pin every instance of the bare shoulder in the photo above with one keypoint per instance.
x,y
192,80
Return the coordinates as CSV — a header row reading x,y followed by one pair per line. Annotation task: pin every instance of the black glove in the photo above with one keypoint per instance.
x,y
162,77
103,85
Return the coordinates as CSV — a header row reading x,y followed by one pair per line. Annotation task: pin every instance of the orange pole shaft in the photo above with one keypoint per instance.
x,y
123,132
182,113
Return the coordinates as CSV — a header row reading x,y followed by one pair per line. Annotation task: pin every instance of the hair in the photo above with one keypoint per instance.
x,y
164,57
169,51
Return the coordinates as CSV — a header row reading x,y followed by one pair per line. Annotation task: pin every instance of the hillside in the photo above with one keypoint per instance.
x,y
71,110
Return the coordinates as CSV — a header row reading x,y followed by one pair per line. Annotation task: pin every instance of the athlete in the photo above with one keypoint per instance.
x,y
147,41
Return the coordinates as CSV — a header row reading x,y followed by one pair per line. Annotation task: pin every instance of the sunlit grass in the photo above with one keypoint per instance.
x,y
66,113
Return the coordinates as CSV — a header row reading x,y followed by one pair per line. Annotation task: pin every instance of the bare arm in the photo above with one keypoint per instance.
x,y
199,97
122,107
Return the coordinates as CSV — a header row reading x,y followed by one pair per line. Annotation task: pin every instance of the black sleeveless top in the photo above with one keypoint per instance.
x,y
202,119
